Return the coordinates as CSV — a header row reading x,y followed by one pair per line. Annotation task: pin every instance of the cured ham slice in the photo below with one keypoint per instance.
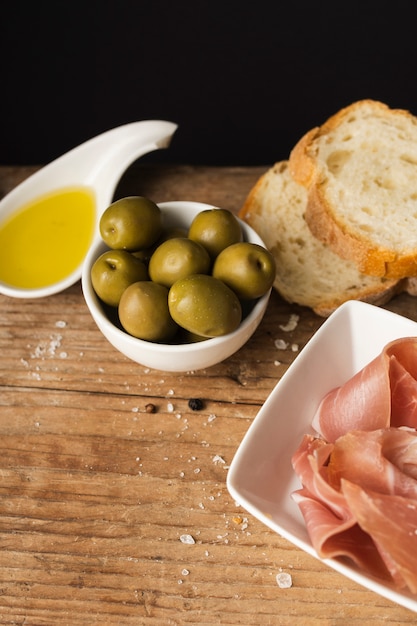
x,y
310,464
381,462
359,475
392,522
331,526
334,538
363,402
403,395
383,393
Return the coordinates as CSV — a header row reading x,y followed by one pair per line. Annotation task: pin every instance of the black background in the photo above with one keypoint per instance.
x,y
244,81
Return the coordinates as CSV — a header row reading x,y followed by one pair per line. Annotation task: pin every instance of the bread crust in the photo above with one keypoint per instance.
x,y
375,297
326,221
301,165
324,225
275,207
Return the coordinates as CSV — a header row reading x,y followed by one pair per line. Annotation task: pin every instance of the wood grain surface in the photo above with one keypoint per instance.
x,y
96,493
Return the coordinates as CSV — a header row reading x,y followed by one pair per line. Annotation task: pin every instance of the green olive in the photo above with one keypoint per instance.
x,y
132,223
215,229
247,268
144,312
204,306
113,271
176,258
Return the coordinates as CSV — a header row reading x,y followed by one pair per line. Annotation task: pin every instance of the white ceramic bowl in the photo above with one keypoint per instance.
x,y
169,357
261,477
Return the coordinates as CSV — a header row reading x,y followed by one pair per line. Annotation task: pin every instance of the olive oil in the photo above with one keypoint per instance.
x,y
45,240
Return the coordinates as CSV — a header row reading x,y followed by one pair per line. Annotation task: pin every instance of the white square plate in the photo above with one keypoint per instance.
x,y
261,477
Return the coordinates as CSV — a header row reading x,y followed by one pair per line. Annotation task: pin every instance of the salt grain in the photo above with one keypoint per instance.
x,y
187,539
291,324
284,581
47,349
280,344
54,343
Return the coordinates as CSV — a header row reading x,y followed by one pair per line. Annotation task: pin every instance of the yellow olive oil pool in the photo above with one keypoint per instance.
x,y
45,240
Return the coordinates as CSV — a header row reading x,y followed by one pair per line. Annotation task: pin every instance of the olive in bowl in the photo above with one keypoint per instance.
x,y
186,350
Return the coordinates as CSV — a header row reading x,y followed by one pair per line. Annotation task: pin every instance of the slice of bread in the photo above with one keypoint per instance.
x,y
308,272
360,171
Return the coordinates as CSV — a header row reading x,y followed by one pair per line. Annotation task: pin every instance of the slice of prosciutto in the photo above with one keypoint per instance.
x,y
362,469
392,523
384,460
359,475
330,524
382,394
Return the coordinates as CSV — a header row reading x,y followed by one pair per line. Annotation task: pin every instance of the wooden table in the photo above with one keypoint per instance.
x,y
96,492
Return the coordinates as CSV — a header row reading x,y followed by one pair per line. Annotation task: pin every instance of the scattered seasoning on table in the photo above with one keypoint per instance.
x,y
195,404
291,324
280,344
284,580
150,408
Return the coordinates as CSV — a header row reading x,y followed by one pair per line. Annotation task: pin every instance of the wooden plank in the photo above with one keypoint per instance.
x,y
96,492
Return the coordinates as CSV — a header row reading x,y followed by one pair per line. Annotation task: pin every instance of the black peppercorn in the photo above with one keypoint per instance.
x,y
195,404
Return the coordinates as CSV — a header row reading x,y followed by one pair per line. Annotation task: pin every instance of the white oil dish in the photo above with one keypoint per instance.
x,y
50,220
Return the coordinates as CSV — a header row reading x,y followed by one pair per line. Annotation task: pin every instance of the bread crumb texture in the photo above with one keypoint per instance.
x,y
362,180
309,273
